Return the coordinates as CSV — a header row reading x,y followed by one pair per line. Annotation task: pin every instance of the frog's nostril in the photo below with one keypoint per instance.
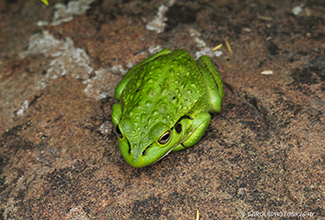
x,y
145,150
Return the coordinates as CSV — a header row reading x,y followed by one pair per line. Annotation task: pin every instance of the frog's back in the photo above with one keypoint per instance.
x,y
165,85
163,90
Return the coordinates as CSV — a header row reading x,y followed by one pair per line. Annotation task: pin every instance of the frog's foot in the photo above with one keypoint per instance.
x,y
195,132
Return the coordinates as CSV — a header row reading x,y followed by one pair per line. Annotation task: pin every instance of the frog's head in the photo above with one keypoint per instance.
x,y
143,146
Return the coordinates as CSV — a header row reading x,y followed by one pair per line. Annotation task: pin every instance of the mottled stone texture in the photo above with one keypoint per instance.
x,y
263,154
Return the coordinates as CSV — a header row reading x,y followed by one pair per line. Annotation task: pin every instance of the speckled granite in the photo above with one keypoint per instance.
x,y
262,156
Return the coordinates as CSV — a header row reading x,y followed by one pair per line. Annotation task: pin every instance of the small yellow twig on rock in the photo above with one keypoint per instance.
x,y
45,2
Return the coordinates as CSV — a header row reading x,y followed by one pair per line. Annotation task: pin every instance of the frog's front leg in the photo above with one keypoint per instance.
x,y
195,131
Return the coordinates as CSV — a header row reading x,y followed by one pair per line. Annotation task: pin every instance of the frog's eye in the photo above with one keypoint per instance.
x,y
118,131
164,138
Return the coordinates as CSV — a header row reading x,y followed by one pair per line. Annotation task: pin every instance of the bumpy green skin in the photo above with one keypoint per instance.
x,y
168,91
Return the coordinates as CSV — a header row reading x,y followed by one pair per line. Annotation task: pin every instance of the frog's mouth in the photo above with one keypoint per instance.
x,y
170,150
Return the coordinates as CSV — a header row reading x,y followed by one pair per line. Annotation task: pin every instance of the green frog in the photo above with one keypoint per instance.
x,y
164,105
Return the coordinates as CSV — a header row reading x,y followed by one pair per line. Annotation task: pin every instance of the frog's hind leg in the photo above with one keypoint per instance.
x,y
213,82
